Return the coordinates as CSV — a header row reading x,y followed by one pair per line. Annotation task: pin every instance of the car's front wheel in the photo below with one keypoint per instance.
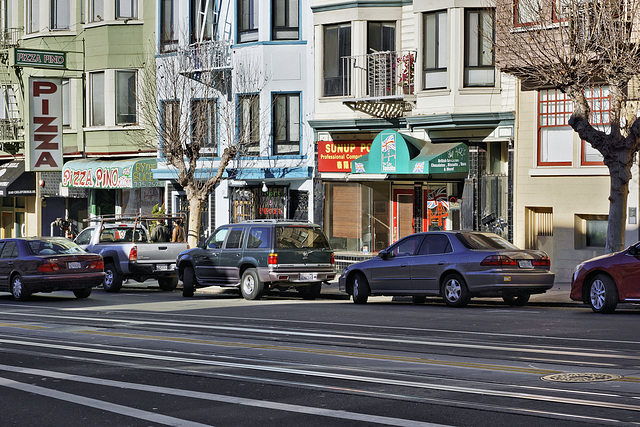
x,y
251,286
360,289
112,280
18,291
603,294
517,300
454,291
82,293
188,282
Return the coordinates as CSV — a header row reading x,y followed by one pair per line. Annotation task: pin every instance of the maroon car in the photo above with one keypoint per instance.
x,y
45,264
604,281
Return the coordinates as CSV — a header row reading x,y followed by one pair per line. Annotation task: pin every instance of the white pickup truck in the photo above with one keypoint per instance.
x,y
128,252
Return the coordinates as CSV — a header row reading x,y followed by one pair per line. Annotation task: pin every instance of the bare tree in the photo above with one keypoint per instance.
x,y
189,108
574,45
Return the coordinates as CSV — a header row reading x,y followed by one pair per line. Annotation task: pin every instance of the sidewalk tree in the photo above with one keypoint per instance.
x,y
574,45
188,107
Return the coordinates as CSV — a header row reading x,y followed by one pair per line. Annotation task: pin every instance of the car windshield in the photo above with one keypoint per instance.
x,y
300,237
54,247
482,241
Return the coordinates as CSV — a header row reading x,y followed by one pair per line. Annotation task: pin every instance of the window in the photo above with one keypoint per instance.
x,y
538,221
286,124
247,21
96,10
526,12
249,125
126,9
125,97
285,24
382,71
204,124
202,20
436,50
336,71
66,103
435,244
216,240
259,238
479,69
234,241
60,14
97,98
590,231
10,250
407,246
600,103
168,36
170,119
33,23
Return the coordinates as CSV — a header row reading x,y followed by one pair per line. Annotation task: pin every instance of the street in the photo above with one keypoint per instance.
x,y
146,357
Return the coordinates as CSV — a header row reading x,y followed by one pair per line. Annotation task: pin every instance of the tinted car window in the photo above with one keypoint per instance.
x,y
85,236
300,237
259,238
234,240
407,246
53,247
10,250
216,240
484,241
435,244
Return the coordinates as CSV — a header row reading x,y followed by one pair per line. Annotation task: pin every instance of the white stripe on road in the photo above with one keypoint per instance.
x,y
163,419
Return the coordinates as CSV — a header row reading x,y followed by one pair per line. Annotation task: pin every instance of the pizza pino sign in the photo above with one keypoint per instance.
x,y
46,125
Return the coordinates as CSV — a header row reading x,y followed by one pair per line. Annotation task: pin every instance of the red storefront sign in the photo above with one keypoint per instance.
x,y
336,156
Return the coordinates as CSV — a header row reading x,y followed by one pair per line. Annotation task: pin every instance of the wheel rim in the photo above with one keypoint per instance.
x,y
17,287
108,278
597,294
452,290
249,284
356,288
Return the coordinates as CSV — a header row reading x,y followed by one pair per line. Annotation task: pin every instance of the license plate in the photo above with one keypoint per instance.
x,y
162,267
307,277
74,265
525,263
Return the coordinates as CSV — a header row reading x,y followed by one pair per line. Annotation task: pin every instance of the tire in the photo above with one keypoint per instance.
x,y
18,291
418,299
603,294
168,283
188,282
516,300
251,286
454,291
112,280
310,292
361,289
82,293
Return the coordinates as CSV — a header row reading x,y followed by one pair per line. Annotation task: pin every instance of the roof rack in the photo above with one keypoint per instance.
x,y
250,221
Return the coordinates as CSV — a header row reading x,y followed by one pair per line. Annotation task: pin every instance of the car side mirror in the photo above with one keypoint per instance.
x,y
633,251
202,245
384,254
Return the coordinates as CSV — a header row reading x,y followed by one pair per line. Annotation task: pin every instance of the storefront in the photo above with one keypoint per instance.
x,y
17,195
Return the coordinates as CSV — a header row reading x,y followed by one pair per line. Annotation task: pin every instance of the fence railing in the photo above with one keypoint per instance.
x,y
10,37
379,74
206,56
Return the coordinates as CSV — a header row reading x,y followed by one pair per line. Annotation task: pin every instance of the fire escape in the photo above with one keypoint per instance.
x,y
380,84
11,124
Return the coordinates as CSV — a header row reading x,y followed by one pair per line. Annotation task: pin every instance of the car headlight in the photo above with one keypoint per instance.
x,y
578,268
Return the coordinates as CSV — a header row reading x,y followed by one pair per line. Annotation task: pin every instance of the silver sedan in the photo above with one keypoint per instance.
x,y
456,265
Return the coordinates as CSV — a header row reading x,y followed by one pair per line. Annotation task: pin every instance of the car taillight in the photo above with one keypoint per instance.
x,y
133,253
97,265
333,258
498,260
48,267
273,259
544,261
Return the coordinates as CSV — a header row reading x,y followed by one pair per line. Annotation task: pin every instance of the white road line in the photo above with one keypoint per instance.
x,y
98,404
344,415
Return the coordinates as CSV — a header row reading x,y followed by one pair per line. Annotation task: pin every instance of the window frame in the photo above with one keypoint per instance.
x,y
30,15
134,9
290,133
94,16
118,109
193,21
477,56
289,30
516,17
212,128
54,13
170,42
66,103
247,31
343,72
175,112
252,146
93,102
438,51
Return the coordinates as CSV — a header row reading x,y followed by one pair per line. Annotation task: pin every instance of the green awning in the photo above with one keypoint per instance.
x,y
94,173
395,153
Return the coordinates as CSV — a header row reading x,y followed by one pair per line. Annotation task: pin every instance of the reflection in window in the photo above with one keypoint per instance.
x,y
60,14
204,124
33,21
249,125
202,20
126,9
247,20
125,97
286,124
337,44
168,34
479,64
285,19
96,10
436,50
97,99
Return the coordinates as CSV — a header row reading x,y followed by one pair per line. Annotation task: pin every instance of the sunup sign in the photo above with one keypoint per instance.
x,y
46,124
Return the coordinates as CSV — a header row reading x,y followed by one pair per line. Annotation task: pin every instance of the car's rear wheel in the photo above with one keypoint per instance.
x,y
603,294
18,291
112,280
517,300
168,283
82,293
188,282
454,291
310,292
251,286
360,289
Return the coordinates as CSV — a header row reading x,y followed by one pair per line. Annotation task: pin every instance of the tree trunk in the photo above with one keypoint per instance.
x,y
195,211
618,193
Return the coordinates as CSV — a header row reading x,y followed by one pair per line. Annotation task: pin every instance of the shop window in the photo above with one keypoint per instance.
x,y
538,222
168,31
479,64
125,97
96,10
247,21
242,204
60,14
286,124
204,124
336,71
202,20
590,231
97,98
285,19
126,9
435,50
249,125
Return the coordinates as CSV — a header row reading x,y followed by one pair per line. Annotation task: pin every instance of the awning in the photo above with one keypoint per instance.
x,y
14,181
394,153
110,174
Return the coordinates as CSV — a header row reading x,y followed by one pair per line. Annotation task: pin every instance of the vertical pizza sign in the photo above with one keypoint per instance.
x,y
46,124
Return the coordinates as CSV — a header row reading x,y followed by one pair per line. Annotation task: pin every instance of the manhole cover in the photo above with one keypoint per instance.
x,y
580,377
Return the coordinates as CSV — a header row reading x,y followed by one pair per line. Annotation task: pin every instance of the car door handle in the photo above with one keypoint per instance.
x,y
10,263
404,265
441,263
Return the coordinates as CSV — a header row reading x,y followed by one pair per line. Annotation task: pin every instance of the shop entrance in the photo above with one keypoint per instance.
x,y
402,213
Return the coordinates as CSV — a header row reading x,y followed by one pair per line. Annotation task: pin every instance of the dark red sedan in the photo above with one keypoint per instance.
x,y
46,264
607,280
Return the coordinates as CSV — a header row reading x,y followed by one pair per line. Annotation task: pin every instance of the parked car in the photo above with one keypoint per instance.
x,y
46,264
128,252
259,255
607,280
456,265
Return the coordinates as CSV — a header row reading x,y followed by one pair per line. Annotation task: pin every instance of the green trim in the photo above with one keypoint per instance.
x,y
360,3
464,121
356,125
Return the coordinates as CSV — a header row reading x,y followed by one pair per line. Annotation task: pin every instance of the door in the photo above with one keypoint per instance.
x,y
7,224
427,266
402,213
8,256
207,261
393,273
436,208
230,256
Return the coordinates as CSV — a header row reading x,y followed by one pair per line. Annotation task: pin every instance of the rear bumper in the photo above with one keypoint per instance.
x,y
62,282
296,277
152,270
497,283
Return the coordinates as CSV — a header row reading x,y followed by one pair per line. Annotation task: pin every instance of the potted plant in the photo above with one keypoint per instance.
x,y
406,70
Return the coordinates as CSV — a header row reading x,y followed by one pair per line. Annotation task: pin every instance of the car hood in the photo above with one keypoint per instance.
x,y
603,257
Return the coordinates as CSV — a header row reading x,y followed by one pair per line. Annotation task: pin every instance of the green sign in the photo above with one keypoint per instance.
x,y
40,58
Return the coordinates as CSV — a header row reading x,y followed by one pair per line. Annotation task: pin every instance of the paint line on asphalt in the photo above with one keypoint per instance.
x,y
344,415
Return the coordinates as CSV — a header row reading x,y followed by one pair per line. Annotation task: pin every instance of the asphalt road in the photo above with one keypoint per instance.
x,y
146,357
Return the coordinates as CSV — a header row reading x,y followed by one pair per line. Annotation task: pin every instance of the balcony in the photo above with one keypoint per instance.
x,y
10,37
380,83
11,135
205,61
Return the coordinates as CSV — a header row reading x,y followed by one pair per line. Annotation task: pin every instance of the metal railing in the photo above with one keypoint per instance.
x,y
379,75
11,129
10,37
206,56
